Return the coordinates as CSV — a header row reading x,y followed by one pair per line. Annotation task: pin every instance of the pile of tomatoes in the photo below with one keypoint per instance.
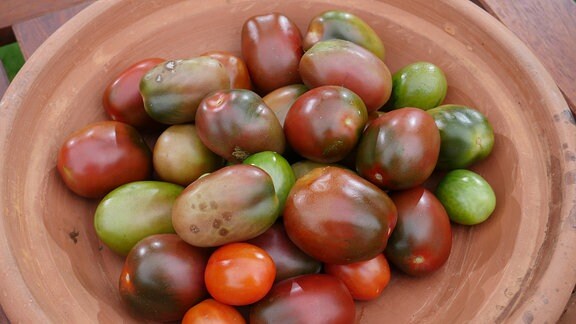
x,y
281,181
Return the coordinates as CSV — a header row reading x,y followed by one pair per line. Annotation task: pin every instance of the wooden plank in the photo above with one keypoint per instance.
x,y
549,29
14,11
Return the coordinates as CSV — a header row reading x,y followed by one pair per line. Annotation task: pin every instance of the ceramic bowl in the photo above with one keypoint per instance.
x,y
517,266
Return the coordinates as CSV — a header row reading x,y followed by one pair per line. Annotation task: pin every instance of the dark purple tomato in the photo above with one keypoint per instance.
x,y
325,123
422,239
122,100
281,99
237,123
163,277
313,298
236,67
399,149
272,48
101,156
289,259
337,217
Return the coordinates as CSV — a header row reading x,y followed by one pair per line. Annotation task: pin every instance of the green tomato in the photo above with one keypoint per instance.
x,y
278,168
467,197
134,211
419,85
466,136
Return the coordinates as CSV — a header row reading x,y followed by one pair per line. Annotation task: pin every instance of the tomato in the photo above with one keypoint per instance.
x,y
210,311
343,63
300,168
278,168
290,261
466,136
325,123
281,99
163,277
314,298
179,156
102,156
134,211
236,67
235,203
467,197
420,85
272,47
337,217
399,149
422,239
122,100
239,274
172,91
236,123
365,279
343,25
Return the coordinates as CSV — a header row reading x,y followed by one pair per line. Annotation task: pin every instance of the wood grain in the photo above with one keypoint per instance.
x,y
14,11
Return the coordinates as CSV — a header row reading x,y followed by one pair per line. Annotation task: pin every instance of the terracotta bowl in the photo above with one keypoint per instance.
x,y
518,266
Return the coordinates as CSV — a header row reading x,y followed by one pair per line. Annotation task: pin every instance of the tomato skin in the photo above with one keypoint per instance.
x,y
236,67
239,274
365,279
101,156
272,48
399,149
210,311
122,100
422,240
337,217
314,298
281,99
325,123
163,277
290,261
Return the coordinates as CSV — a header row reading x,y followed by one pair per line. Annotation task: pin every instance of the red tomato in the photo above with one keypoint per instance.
x,y
237,70
210,311
102,156
272,48
314,298
239,274
365,279
422,239
122,100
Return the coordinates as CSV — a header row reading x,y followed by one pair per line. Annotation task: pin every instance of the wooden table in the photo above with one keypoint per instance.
x,y
547,27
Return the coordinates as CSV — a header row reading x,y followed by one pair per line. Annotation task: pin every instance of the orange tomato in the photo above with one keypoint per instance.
x,y
211,311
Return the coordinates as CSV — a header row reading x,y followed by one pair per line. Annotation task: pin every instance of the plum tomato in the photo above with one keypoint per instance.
x,y
122,100
210,311
312,298
281,99
163,277
422,239
236,123
101,156
235,203
180,157
325,123
343,25
173,90
365,280
134,211
272,48
239,274
420,85
343,63
466,136
467,197
337,217
236,67
399,149
290,261
300,168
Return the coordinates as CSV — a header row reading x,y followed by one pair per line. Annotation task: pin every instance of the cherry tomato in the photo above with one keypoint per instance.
x,y
210,311
314,298
239,274
122,100
163,277
236,67
365,279
102,156
422,240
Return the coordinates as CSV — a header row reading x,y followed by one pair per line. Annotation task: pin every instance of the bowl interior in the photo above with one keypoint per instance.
x,y
513,266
